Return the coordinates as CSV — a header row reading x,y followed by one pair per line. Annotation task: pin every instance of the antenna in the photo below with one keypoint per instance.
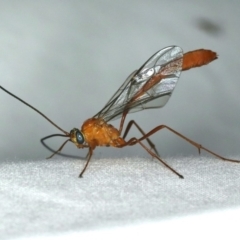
x,y
43,115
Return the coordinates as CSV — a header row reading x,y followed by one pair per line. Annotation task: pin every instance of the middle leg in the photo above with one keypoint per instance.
x,y
150,143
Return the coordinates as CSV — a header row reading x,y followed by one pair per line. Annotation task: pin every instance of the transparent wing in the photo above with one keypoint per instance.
x,y
149,87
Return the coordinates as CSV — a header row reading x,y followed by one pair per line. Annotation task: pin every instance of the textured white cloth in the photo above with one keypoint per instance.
x,y
46,197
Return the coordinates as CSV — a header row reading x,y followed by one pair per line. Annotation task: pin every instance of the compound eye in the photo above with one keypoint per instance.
x,y
79,137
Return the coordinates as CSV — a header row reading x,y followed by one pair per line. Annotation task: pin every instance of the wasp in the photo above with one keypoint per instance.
x,y
150,86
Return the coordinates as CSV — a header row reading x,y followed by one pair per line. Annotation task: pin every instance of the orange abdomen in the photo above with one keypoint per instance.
x,y
197,58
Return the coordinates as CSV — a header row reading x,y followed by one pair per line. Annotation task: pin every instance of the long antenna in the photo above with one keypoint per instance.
x,y
54,124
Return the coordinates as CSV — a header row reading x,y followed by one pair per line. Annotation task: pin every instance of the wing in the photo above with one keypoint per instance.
x,y
149,87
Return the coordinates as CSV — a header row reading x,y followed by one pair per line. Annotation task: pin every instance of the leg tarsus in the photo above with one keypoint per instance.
x,y
134,141
199,149
88,160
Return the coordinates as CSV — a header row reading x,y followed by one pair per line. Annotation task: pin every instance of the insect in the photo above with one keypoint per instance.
x,y
148,87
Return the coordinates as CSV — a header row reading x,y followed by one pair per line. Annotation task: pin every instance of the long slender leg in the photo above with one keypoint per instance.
x,y
134,141
150,143
59,150
122,121
88,160
197,145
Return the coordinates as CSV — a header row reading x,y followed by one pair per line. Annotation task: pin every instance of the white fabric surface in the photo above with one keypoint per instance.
x,y
46,197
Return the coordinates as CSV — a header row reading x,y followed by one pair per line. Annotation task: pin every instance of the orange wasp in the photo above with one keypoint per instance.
x,y
148,87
